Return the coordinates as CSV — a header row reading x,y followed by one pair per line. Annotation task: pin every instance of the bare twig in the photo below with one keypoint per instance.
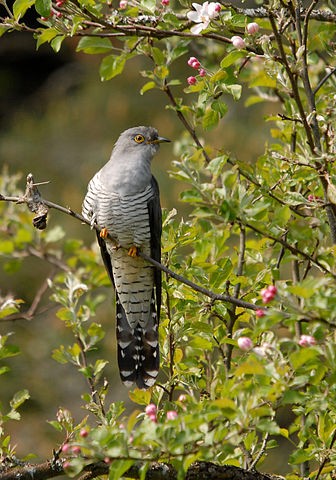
x,y
32,310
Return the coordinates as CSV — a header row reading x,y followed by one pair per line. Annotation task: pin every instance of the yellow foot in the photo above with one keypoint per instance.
x,y
133,251
103,233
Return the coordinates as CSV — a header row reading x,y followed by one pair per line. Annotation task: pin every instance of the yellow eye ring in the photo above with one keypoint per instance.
x,y
139,138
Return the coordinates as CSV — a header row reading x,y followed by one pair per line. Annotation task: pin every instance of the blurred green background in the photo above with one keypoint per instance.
x,y
59,121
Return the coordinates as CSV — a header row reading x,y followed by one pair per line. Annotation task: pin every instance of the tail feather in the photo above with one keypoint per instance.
x,y
138,349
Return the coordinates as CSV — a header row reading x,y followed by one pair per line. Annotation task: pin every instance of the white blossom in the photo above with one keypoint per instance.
x,y
202,15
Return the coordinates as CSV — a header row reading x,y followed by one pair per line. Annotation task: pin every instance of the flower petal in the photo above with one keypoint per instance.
x,y
194,17
196,29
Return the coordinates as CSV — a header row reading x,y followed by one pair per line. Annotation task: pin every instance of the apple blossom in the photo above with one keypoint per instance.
x,y
202,72
238,42
268,293
260,313
151,409
191,80
171,415
194,63
202,15
245,343
182,398
123,4
307,341
252,28
153,417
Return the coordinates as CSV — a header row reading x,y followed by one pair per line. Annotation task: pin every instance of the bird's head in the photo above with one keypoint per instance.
x,y
142,140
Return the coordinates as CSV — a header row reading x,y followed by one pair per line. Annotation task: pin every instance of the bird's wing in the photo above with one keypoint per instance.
x,y
90,202
155,222
106,257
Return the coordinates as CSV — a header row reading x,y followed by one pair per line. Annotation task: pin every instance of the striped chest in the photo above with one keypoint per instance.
x,y
126,217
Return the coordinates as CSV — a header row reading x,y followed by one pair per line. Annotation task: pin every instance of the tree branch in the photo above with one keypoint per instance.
x,y
36,203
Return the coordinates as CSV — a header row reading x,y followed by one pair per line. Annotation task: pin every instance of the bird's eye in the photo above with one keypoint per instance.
x,y
139,138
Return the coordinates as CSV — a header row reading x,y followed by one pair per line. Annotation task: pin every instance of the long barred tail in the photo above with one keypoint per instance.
x,y
138,349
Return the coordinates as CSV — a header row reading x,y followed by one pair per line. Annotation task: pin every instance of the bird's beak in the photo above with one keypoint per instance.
x,y
159,140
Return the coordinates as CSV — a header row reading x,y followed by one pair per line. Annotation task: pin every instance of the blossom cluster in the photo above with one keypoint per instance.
x,y
151,412
268,293
194,63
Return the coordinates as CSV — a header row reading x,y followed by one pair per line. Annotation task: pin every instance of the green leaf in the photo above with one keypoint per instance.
x,y
302,356
149,5
46,35
118,468
210,119
43,7
20,7
19,398
141,397
234,90
94,45
7,351
111,66
6,247
158,56
148,86
200,342
56,43
4,29
220,107
231,58
250,367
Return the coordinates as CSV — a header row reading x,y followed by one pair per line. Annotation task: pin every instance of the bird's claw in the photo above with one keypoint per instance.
x,y
133,251
103,233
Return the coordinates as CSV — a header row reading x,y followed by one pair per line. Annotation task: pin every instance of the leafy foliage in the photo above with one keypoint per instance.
x,y
269,222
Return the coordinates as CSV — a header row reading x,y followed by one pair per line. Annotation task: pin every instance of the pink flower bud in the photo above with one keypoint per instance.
x,y
107,460
123,4
76,449
245,343
165,3
65,448
194,63
307,341
268,293
272,289
260,313
66,465
153,417
238,42
202,72
83,433
252,28
218,7
191,80
151,409
171,415
182,398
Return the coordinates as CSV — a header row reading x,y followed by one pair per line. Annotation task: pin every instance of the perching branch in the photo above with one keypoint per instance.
x,y
40,206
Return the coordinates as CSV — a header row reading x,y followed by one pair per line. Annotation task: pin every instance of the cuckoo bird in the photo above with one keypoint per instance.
x,y
123,201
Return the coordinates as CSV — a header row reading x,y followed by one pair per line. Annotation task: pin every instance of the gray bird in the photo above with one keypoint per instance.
x,y
123,200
